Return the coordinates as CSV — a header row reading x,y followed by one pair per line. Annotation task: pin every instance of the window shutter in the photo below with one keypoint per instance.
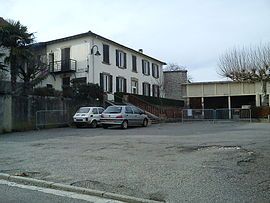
x,y
134,63
125,60
125,85
117,58
153,90
117,84
158,92
111,83
106,53
101,81
148,68
143,67
158,72
153,67
149,89
143,88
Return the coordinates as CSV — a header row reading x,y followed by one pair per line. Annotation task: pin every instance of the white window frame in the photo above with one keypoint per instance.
x,y
134,86
121,59
146,67
121,84
155,90
147,89
155,70
106,82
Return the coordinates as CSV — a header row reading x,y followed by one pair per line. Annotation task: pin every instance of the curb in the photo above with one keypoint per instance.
x,y
69,188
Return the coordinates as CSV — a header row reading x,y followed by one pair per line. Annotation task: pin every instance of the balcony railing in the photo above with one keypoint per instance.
x,y
63,66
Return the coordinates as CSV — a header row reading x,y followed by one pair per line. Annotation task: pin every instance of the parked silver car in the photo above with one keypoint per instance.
x,y
123,116
86,116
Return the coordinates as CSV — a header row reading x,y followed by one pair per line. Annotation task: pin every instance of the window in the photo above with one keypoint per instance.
x,y
79,81
51,61
134,86
155,70
146,89
113,109
49,86
106,82
128,110
137,110
134,63
106,54
65,59
100,110
155,91
145,67
121,59
95,111
121,84
66,82
83,110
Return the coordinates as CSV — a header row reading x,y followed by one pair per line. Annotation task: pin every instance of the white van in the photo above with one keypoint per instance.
x,y
88,116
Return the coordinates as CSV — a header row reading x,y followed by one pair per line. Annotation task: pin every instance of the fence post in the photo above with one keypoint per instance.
x,y
182,115
250,118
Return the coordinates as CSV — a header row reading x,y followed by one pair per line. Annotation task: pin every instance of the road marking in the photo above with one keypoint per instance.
x,y
71,195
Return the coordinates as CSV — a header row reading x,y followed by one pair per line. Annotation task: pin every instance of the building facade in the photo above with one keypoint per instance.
x,y
90,58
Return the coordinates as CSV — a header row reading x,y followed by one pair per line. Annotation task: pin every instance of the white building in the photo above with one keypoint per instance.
x,y
91,58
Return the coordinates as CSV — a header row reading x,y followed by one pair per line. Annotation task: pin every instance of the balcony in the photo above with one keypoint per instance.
x,y
63,66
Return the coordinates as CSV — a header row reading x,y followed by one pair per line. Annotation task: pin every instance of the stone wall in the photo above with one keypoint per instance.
x,y
173,81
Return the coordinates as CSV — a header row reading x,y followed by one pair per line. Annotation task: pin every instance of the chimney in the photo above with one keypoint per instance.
x,y
140,50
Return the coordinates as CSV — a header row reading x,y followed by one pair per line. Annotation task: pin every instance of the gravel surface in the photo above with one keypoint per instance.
x,y
175,162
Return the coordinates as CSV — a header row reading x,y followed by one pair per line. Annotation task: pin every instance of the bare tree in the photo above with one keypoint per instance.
x,y
176,67
248,65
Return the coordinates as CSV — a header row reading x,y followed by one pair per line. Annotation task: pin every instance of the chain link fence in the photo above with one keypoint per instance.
x,y
46,118
235,114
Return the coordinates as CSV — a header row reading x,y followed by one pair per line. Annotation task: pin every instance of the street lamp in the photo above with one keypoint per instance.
x,y
97,52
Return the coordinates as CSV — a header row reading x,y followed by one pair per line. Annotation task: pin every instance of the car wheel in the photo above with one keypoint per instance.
x,y
124,125
105,126
145,122
94,124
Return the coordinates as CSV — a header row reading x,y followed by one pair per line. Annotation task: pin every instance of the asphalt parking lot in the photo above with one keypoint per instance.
x,y
175,162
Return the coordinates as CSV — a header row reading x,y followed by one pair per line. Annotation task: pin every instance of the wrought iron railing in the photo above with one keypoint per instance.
x,y
63,66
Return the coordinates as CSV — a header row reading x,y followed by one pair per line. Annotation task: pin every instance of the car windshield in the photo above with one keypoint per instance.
x,y
113,109
83,110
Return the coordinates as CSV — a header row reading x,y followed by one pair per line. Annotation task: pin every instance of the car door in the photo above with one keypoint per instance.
x,y
138,119
100,110
95,114
129,115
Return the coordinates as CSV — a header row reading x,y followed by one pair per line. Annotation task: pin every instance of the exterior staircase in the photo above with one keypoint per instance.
x,y
156,113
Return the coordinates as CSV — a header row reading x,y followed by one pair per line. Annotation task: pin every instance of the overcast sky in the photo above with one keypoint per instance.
x,y
192,33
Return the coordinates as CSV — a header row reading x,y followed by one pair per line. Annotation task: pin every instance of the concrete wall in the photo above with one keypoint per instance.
x,y
18,113
5,113
173,84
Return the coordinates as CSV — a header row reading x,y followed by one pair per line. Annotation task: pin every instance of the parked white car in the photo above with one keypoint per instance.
x,y
88,116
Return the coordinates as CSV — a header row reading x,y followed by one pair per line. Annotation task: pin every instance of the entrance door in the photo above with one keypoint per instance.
x,y
65,59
